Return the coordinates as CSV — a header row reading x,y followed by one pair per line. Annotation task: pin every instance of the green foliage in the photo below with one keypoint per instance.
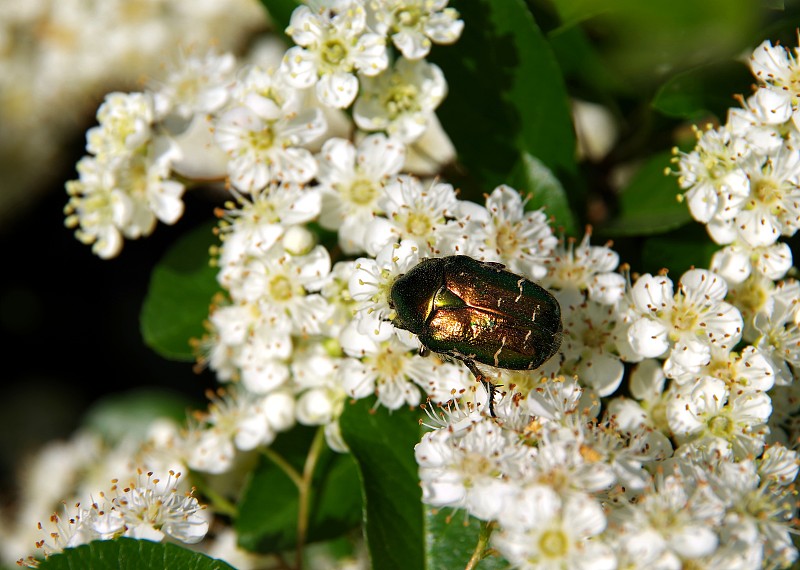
x,y
130,554
280,12
181,288
382,443
532,178
678,251
130,414
507,96
268,510
705,90
648,204
450,539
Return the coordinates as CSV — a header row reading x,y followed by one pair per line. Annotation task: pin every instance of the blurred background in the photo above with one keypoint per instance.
x,y
69,320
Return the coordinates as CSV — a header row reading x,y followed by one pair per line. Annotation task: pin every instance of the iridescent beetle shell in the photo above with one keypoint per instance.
x,y
478,312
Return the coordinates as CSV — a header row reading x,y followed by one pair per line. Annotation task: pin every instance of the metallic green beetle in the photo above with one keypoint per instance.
x,y
478,312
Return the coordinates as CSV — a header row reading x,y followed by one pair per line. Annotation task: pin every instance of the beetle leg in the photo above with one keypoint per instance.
x,y
490,387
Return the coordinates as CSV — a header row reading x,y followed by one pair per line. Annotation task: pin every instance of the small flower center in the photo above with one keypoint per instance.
x,y
262,140
333,52
721,426
362,193
409,17
684,317
554,543
280,288
476,464
389,363
418,224
401,99
594,336
507,241
768,192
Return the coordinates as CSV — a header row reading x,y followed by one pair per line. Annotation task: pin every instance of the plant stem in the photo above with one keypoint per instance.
x,y
481,550
305,493
284,466
219,503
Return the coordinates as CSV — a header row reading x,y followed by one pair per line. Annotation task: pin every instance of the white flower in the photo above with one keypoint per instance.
x,y
237,419
709,411
778,465
589,346
250,342
779,330
555,400
521,240
389,369
400,101
371,283
759,517
585,268
263,142
472,463
647,407
687,323
563,534
715,185
667,524
126,121
195,85
737,261
351,182
331,44
777,67
773,205
256,222
152,511
284,284
321,396
123,195
414,24
97,208
417,212
762,121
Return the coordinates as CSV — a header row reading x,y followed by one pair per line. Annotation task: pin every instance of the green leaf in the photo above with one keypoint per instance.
x,y
531,177
706,89
130,554
280,11
268,509
382,443
678,251
507,96
118,416
649,205
450,540
181,288
646,41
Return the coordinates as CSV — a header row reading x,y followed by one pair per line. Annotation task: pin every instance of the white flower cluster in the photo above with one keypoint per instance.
x,y
57,57
147,508
743,179
685,469
690,467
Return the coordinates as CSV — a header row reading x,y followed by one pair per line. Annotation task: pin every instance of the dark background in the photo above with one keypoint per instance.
x,y
70,321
